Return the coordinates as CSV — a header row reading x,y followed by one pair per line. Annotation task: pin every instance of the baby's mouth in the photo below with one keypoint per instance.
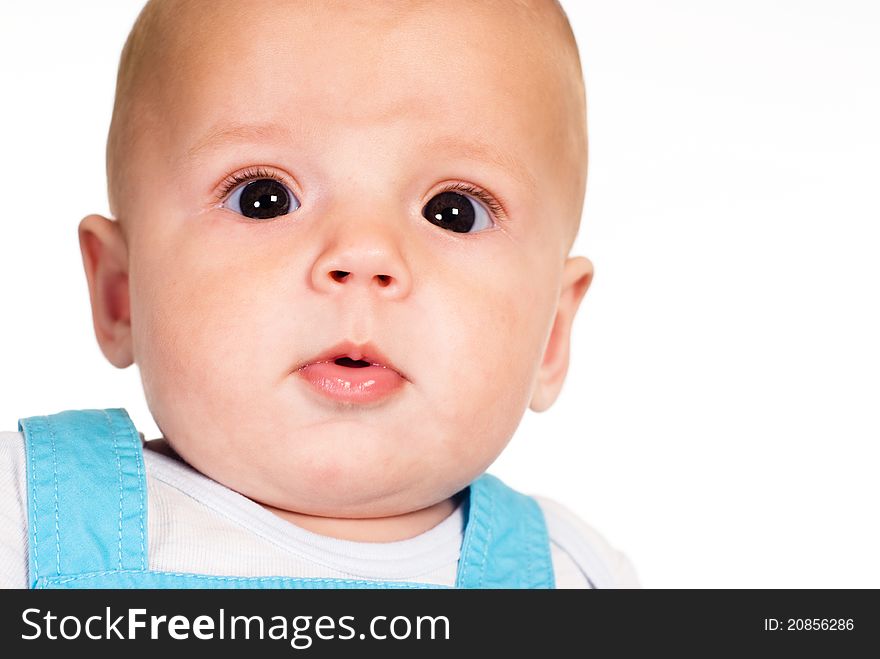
x,y
353,355
351,363
352,373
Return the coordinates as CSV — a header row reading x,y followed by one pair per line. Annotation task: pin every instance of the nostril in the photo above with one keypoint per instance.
x,y
342,275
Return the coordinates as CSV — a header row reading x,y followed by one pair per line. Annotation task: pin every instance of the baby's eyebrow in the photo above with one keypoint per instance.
x,y
480,150
226,134
471,148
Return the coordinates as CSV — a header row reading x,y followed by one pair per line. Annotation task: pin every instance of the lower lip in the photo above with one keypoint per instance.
x,y
352,385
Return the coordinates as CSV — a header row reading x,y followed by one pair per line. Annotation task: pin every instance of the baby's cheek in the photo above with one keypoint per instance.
x,y
490,368
511,321
193,331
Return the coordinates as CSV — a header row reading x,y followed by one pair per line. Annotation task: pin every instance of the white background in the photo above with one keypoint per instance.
x,y
719,423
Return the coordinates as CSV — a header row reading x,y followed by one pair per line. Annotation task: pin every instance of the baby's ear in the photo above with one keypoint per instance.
x,y
577,274
105,259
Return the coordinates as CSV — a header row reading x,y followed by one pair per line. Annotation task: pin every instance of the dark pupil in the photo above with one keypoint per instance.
x,y
263,199
450,210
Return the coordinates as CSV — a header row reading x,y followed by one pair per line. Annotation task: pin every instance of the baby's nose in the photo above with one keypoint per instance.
x,y
371,262
342,275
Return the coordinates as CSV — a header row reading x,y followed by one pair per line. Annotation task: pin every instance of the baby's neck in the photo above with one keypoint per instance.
x,y
372,529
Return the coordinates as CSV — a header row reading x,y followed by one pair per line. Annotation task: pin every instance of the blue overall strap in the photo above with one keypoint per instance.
x,y
86,492
505,541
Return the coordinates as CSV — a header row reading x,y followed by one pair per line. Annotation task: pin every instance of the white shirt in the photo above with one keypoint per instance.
x,y
195,524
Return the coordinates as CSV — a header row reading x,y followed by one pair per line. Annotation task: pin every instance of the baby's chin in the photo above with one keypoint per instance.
x,y
365,493
281,449
336,474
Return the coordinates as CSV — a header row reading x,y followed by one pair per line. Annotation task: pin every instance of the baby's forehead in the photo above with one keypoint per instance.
x,y
376,41
497,71
353,46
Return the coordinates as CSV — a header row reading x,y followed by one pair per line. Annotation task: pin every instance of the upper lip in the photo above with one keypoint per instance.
x,y
356,351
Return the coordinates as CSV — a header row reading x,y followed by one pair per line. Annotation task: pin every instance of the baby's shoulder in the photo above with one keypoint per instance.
x,y
13,511
583,548
12,462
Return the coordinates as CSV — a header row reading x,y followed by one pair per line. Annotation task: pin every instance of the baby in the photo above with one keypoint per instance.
x,y
340,261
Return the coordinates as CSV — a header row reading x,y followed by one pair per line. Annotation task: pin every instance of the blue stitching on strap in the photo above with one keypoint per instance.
x,y
55,484
141,493
119,474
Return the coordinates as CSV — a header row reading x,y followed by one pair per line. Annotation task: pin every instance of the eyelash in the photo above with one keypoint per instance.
x,y
251,174
478,193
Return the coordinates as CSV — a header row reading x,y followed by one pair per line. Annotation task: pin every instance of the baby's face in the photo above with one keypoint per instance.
x,y
365,115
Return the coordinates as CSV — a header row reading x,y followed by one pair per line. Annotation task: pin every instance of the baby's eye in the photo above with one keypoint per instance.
x,y
262,199
457,212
